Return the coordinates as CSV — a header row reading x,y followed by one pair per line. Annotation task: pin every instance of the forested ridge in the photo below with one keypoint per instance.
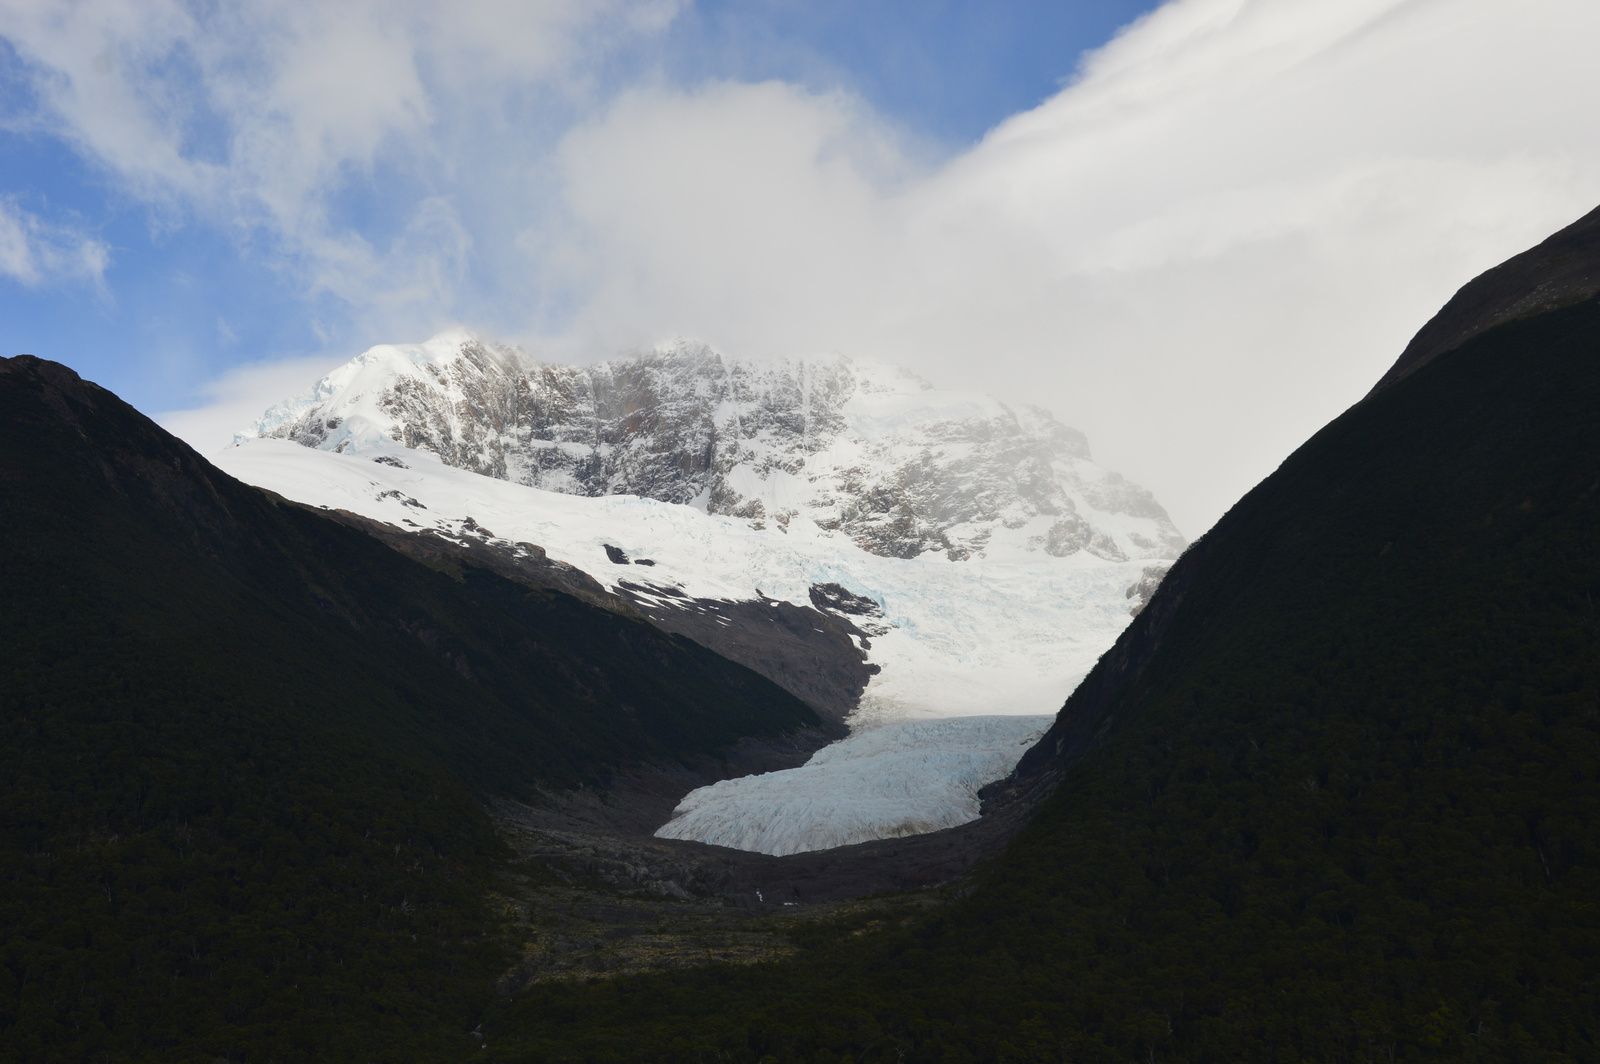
x,y
244,752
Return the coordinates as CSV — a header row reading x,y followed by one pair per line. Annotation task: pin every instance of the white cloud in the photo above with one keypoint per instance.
x,y
35,252
1210,244
291,120
754,212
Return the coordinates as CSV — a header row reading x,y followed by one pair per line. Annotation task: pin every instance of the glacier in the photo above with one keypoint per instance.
x,y
897,779
997,559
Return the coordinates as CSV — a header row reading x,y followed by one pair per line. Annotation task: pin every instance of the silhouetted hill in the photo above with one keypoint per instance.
x,y
1334,795
244,750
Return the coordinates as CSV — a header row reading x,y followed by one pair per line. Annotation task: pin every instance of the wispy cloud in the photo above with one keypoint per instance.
x,y
332,134
37,252
230,403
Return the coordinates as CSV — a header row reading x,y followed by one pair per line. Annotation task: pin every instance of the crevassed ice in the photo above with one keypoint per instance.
x,y
899,779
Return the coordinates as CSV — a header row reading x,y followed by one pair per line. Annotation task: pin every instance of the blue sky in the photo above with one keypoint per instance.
x,y
1195,231
948,70
187,294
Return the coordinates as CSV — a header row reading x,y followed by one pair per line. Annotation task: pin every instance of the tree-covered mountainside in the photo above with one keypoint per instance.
x,y
244,751
1335,795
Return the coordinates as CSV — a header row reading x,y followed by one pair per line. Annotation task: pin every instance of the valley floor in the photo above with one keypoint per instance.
x,y
594,893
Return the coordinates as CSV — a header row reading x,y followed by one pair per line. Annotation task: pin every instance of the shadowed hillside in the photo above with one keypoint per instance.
x,y
244,752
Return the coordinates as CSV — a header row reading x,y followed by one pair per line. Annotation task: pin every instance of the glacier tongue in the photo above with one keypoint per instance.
x,y
898,779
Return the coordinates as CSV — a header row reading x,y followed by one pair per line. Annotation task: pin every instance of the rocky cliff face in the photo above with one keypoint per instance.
x,y
860,448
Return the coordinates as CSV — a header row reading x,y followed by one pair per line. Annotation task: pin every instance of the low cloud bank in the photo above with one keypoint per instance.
x,y
1208,245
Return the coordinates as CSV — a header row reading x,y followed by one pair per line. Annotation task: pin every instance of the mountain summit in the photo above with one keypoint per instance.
x,y
864,448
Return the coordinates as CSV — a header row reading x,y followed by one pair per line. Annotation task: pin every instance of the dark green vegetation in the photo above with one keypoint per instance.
x,y
244,749
1346,809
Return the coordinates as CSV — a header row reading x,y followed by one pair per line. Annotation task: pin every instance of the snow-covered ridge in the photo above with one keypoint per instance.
x,y
861,448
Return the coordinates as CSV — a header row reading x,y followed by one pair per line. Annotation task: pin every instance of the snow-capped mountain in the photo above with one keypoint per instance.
x,y
888,552
864,449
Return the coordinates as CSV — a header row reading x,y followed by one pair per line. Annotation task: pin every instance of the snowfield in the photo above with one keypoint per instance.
x,y
969,638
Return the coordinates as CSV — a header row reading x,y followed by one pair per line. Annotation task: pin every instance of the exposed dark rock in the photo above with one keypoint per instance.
x,y
1149,580
838,599
405,500
852,610
809,653
617,555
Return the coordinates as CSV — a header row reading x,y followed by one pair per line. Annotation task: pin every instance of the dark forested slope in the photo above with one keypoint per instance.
x,y
243,751
1334,796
